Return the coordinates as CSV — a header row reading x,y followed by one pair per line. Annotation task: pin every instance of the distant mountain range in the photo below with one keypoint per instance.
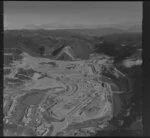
x,y
91,30
135,28
95,31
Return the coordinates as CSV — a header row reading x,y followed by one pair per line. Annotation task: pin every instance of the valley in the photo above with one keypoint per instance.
x,y
62,93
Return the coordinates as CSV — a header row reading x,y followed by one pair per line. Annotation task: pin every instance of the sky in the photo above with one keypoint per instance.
x,y
57,14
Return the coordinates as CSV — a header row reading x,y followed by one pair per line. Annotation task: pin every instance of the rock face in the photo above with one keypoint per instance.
x,y
65,54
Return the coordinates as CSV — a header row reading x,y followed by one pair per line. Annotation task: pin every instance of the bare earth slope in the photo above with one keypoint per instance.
x,y
61,85
51,97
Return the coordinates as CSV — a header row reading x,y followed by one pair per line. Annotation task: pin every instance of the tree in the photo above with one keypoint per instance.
x,y
41,50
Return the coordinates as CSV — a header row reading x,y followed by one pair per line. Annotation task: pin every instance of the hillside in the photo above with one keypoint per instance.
x,y
45,42
32,41
119,45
